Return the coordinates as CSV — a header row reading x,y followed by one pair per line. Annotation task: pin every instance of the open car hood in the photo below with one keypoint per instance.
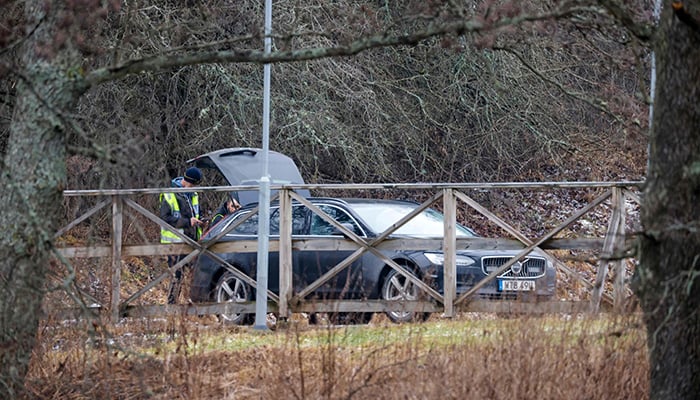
x,y
244,166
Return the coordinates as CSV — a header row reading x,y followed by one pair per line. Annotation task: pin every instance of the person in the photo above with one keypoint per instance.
x,y
229,207
180,210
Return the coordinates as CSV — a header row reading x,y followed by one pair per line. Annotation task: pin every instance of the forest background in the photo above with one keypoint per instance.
x,y
569,102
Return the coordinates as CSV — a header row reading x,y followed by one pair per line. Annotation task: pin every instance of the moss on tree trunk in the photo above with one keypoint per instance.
x,y
33,179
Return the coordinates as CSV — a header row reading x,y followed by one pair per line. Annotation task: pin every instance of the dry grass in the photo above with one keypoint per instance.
x,y
472,356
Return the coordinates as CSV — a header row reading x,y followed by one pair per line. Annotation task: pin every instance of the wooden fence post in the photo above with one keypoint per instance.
x,y
285,253
619,262
609,245
117,219
449,248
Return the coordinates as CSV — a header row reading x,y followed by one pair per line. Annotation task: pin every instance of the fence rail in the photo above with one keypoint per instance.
x,y
611,249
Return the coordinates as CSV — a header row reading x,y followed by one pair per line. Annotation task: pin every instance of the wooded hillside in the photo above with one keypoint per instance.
x,y
566,102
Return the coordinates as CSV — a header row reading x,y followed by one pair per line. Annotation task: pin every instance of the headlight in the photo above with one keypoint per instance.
x,y
439,259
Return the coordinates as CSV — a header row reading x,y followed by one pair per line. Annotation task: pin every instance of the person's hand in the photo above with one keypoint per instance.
x,y
195,222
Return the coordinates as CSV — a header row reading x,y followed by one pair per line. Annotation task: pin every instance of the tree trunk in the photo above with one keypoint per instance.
x,y
668,278
33,178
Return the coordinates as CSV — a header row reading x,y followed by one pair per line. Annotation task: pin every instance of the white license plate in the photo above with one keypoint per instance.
x,y
516,285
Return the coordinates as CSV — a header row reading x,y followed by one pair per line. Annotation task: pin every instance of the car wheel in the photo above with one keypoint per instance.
x,y
396,288
231,288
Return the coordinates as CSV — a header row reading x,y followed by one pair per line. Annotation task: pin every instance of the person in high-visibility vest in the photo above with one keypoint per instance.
x,y
180,210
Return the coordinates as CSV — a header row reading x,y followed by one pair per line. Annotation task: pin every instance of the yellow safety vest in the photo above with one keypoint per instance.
x,y
167,236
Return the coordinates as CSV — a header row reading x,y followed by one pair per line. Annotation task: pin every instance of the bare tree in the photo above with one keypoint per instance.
x,y
668,278
53,76
34,173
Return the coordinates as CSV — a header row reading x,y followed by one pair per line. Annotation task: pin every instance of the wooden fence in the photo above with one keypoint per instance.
x,y
611,249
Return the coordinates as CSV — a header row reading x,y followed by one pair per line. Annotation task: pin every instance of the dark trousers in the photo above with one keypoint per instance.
x,y
176,283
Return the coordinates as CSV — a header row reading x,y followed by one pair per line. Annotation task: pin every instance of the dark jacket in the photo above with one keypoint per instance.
x,y
220,214
181,219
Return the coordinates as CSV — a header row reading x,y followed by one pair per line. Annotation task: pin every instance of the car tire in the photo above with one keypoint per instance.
x,y
230,288
396,287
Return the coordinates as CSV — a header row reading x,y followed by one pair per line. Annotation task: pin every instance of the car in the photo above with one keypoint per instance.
x,y
533,277
368,277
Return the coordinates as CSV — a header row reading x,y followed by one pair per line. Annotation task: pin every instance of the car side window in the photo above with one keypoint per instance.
x,y
299,219
320,226
248,227
275,221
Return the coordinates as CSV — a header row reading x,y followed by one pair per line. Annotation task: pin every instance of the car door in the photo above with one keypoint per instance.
x,y
299,227
315,263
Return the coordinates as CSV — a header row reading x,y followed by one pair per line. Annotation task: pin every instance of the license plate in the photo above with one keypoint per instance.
x,y
516,285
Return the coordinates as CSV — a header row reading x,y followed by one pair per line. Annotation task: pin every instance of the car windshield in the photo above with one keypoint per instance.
x,y
428,223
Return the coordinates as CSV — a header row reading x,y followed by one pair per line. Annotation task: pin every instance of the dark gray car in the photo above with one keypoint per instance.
x,y
368,277
531,278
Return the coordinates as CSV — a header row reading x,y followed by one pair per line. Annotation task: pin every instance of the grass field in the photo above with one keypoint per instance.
x,y
468,357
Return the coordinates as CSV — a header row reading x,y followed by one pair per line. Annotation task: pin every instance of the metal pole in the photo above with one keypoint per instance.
x,y
652,84
264,195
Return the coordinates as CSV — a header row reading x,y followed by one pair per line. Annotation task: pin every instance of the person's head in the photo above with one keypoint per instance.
x,y
192,177
233,204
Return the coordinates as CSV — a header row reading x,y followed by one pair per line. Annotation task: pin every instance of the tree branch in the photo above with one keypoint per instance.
x,y
642,31
460,27
595,103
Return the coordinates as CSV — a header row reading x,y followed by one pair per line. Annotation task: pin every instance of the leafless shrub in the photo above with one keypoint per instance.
x,y
473,356
539,103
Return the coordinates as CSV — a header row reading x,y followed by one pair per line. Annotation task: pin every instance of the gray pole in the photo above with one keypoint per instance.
x,y
652,84
264,195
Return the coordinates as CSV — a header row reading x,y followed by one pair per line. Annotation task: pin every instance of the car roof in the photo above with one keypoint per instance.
x,y
244,166
379,201
348,201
